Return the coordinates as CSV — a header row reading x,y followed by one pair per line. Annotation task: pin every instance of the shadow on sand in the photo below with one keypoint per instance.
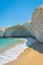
x,y
38,46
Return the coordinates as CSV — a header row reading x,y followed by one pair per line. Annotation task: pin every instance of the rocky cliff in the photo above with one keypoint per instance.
x,y
2,31
37,23
28,26
18,30
32,28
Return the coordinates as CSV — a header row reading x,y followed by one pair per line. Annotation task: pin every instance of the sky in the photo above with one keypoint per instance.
x,y
13,12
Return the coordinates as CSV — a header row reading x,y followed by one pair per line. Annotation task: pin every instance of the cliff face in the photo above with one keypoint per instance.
x,y
32,28
37,23
2,31
18,30
28,26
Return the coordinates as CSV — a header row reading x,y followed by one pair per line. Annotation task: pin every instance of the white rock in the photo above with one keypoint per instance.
x,y
37,23
2,32
18,30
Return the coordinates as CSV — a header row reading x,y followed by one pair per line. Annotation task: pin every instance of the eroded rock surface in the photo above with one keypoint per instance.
x,y
37,23
18,30
2,31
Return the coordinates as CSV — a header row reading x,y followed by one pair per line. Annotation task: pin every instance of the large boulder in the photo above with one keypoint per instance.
x,y
37,23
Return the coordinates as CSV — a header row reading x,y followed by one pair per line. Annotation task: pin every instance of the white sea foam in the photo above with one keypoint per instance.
x,y
11,54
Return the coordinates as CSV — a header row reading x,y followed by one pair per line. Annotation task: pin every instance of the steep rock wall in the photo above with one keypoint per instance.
x,y
37,23
2,31
28,26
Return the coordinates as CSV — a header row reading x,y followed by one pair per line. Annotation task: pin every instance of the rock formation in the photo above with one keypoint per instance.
x,y
2,31
28,26
37,23
18,30
33,28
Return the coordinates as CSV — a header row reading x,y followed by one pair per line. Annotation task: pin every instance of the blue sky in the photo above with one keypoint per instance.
x,y
14,12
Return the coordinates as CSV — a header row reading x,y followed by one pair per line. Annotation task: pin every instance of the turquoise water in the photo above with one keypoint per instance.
x,y
7,41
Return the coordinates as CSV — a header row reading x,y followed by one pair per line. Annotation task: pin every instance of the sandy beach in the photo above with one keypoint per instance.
x,y
33,55
13,52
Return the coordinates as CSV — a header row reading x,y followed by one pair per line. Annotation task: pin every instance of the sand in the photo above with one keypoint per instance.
x,y
33,55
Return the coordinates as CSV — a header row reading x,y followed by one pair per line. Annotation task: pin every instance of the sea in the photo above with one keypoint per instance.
x,y
4,42
12,53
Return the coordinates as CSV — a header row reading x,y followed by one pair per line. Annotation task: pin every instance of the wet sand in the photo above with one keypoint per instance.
x,y
33,55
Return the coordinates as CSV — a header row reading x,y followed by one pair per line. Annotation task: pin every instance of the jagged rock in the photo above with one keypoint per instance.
x,y
37,23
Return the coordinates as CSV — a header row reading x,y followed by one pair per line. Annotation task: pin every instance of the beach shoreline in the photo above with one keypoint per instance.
x,y
13,52
12,45
28,57
32,55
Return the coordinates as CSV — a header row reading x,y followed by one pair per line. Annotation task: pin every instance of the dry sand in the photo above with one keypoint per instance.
x,y
33,55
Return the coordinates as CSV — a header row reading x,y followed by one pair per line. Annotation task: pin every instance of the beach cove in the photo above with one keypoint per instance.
x,y
11,49
14,51
22,44
32,55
